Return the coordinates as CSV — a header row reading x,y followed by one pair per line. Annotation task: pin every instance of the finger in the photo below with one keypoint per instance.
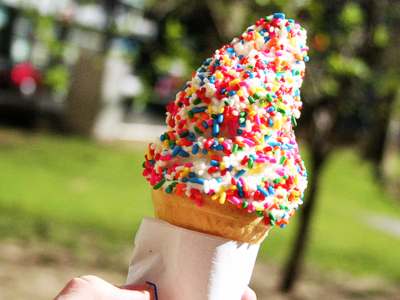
x,y
249,294
91,287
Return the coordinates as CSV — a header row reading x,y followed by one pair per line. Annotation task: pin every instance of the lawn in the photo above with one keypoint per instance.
x,y
79,194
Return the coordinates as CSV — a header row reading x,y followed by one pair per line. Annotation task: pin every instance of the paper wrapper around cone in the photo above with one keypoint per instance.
x,y
222,220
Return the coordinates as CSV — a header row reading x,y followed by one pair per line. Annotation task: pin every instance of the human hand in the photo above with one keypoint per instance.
x,y
94,288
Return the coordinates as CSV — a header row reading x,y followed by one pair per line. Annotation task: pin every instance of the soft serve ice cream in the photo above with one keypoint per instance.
x,y
230,129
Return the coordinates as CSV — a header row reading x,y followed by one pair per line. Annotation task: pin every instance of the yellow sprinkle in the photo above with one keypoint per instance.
x,y
257,35
222,198
193,89
221,139
289,80
219,75
214,197
233,187
274,89
295,193
296,179
258,207
235,81
259,148
257,170
222,165
221,110
233,72
277,124
239,93
149,156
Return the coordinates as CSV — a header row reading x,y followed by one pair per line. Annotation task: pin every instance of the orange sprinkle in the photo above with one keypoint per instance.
x,y
204,116
216,157
171,135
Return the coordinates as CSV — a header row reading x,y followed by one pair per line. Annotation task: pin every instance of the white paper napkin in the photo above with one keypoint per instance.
x,y
184,264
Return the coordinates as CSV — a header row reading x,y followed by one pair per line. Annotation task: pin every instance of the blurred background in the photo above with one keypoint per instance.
x,y
83,90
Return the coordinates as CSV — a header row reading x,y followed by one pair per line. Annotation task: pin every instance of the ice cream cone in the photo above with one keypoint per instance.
x,y
226,221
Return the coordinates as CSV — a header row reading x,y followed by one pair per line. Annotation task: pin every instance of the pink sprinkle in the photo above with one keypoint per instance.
x,y
152,178
251,207
292,142
257,120
266,205
166,157
245,84
233,199
272,160
210,122
278,53
223,68
249,142
226,145
188,165
261,160
268,88
280,172
198,201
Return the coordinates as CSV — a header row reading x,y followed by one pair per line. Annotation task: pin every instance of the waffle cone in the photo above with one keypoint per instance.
x,y
222,220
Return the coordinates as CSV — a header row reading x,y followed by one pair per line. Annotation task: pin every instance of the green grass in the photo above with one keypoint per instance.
x,y
342,238
83,195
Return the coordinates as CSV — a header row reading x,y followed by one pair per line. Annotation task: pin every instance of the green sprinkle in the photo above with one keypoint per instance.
x,y
272,223
197,101
159,184
243,114
269,98
281,206
179,104
198,130
214,116
144,164
190,114
166,136
285,177
256,95
227,102
169,189
245,204
242,120
262,101
281,110
277,180
235,148
250,163
240,149
271,216
251,99
172,143
184,133
283,159
294,122
259,213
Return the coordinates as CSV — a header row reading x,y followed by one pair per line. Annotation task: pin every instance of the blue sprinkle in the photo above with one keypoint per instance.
x,y
271,190
266,39
270,122
151,162
262,191
283,226
288,28
291,21
205,151
306,58
253,156
231,93
279,16
206,63
241,194
219,180
201,77
215,131
184,179
196,180
199,109
205,125
240,174
195,149
222,91
192,174
266,137
230,168
214,163
251,76
172,147
240,56
212,80
242,124
239,186
162,138
274,144
176,151
220,148
191,134
184,153
220,118
240,131
230,50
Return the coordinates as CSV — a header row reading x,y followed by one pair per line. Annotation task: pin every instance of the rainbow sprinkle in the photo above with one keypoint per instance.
x,y
230,130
